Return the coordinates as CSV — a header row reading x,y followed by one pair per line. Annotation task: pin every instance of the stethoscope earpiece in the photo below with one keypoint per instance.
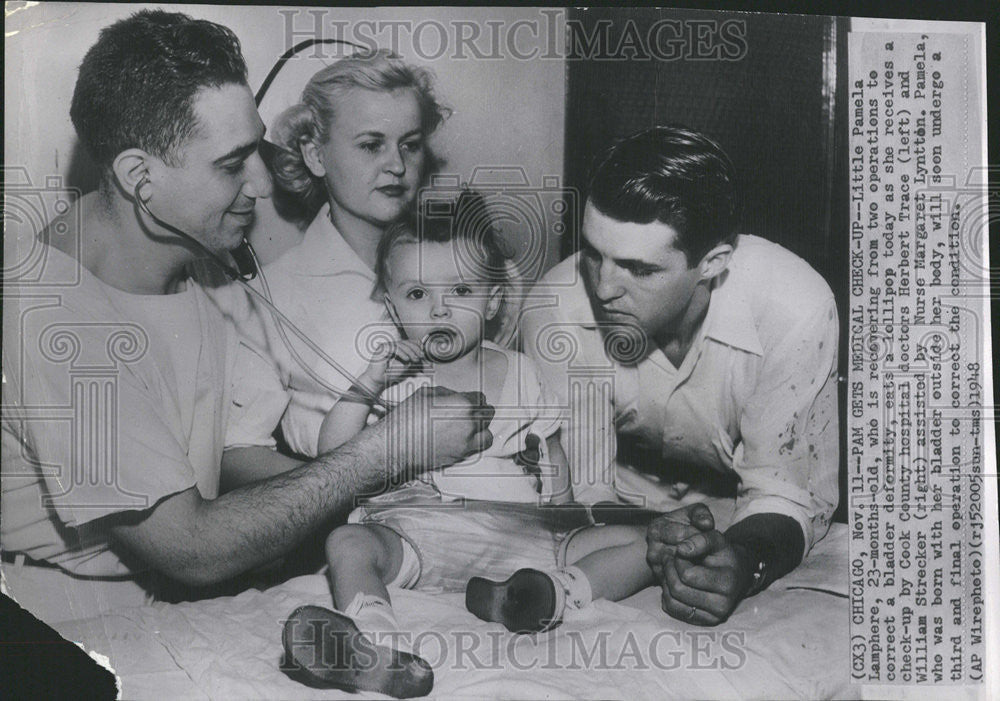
x,y
248,256
143,182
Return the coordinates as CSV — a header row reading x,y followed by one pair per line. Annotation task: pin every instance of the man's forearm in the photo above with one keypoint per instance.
x,y
244,465
773,539
203,542
275,514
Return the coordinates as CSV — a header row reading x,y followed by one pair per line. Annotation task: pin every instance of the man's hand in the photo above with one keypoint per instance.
x,y
436,427
702,574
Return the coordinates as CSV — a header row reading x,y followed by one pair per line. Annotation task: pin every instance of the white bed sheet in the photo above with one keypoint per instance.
x,y
790,641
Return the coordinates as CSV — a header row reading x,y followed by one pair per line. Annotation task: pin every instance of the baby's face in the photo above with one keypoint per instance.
x,y
434,291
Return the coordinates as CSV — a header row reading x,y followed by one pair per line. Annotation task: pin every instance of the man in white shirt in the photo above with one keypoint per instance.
x,y
714,353
118,383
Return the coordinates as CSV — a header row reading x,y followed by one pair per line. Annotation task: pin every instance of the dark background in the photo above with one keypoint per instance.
x,y
774,110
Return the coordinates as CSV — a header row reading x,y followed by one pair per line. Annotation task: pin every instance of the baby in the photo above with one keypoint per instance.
x,y
442,281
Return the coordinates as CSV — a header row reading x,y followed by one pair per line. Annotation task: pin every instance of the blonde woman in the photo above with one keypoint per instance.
x,y
355,149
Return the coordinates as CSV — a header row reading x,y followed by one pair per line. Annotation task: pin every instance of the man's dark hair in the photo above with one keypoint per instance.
x,y
672,175
137,84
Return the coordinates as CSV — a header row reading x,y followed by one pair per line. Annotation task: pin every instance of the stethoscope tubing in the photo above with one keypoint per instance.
x,y
282,321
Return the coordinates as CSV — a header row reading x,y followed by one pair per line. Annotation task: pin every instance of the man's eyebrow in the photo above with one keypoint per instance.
x,y
242,151
636,263
623,262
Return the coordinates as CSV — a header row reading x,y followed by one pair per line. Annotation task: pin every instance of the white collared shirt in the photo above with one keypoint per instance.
x,y
324,288
756,394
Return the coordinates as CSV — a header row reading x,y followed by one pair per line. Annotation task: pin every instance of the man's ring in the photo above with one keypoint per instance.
x,y
691,613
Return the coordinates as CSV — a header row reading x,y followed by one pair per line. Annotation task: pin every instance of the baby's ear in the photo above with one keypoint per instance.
x,y
494,301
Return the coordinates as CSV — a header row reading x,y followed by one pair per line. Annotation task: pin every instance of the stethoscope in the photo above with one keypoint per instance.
x,y
248,268
282,322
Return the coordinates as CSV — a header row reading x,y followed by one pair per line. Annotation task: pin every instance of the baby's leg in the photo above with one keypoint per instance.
x,y
613,558
363,558
605,562
359,647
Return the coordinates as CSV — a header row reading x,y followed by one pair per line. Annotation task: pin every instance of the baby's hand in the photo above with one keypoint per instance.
x,y
401,359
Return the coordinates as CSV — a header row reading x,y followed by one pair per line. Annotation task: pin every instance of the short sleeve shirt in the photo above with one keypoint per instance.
x,y
98,417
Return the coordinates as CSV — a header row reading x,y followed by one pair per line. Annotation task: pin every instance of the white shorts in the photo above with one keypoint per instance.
x,y
453,543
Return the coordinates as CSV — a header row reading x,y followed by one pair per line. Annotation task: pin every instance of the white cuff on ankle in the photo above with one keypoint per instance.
x,y
576,585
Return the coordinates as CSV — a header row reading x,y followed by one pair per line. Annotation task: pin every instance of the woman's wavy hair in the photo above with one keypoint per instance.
x,y
299,193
